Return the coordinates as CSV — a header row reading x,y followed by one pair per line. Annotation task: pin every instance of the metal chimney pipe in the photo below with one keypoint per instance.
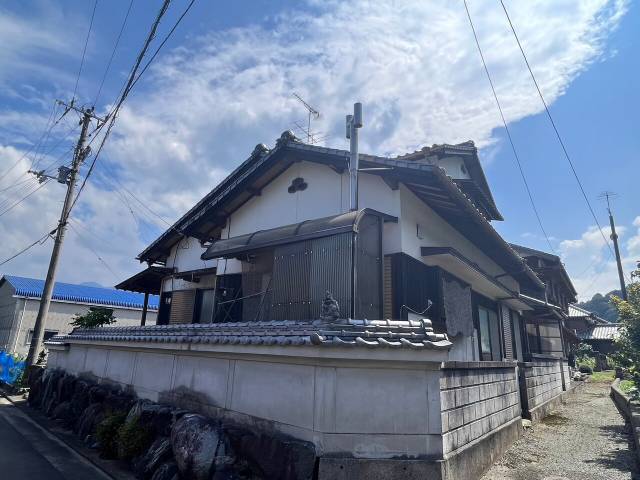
x,y
354,122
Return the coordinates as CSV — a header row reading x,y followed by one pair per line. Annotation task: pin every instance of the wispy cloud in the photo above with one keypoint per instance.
x,y
412,63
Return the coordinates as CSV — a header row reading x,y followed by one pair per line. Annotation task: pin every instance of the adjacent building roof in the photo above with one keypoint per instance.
x,y
67,292
554,260
416,335
601,332
579,312
428,182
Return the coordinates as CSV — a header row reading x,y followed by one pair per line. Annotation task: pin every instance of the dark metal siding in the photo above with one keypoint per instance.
x,y
414,284
291,298
369,268
331,270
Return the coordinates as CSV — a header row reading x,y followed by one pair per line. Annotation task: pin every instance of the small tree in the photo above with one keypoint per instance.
x,y
95,317
629,340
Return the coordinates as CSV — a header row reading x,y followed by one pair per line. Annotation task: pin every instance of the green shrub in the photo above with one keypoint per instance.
x,y
133,439
107,434
586,363
95,317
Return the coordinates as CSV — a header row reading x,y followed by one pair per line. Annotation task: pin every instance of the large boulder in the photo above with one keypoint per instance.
x,y
65,388
36,385
166,471
158,453
64,412
80,399
200,447
49,391
90,419
273,455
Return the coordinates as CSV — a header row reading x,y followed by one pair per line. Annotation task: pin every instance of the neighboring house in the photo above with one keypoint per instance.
x,y
20,301
581,320
547,329
411,372
602,337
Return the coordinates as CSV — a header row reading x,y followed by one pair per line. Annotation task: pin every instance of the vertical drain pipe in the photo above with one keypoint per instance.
x,y
354,122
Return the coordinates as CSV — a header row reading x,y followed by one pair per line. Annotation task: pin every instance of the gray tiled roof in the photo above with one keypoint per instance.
x,y
343,333
602,332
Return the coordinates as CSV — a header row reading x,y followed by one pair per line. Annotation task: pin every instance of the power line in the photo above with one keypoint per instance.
x,y
115,47
96,253
41,240
23,199
555,128
84,50
133,79
504,122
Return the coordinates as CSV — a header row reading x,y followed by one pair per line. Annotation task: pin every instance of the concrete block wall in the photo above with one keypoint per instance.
x,y
476,399
354,403
542,381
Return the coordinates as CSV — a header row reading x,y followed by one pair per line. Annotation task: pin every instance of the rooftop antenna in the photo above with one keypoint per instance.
x,y
312,112
614,237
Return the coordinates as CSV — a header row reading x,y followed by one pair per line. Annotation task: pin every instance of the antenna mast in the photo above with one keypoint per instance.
x,y
312,112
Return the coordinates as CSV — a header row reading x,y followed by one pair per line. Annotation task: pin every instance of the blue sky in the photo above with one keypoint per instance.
x,y
223,83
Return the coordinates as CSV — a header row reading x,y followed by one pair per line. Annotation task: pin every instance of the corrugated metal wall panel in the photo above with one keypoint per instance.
x,y
369,268
331,270
387,288
182,302
290,299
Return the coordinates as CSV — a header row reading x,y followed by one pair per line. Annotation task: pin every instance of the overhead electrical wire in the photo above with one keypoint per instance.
x,y
555,129
133,78
84,50
504,122
40,241
8,209
115,47
100,259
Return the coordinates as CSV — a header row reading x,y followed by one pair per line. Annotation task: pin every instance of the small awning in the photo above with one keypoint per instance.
x,y
297,232
454,262
146,281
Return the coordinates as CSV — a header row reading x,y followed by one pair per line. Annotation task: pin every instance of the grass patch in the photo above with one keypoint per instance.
x,y
603,377
626,386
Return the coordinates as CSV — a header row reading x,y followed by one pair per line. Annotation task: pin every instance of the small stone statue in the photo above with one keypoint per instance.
x,y
330,309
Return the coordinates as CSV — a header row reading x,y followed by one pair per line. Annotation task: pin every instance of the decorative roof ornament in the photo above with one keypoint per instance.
x,y
330,309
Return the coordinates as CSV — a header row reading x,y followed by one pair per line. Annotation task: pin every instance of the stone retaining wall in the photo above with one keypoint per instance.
x,y
629,410
541,384
476,399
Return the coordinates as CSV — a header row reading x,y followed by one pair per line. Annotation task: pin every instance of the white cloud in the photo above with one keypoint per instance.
x,y
413,64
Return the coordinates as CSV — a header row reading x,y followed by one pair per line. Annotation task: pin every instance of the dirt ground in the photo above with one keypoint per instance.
x,y
585,439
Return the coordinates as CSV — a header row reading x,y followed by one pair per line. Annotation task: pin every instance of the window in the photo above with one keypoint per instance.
x,y
47,335
489,329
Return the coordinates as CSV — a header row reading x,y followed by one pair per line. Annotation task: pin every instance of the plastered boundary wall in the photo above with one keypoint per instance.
x,y
363,403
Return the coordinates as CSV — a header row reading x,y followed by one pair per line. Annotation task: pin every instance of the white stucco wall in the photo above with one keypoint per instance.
x,y
373,403
328,194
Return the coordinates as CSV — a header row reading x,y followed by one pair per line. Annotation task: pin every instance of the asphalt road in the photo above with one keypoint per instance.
x,y
29,452
585,439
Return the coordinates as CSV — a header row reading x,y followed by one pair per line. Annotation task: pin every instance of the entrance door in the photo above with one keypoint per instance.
x,y
164,310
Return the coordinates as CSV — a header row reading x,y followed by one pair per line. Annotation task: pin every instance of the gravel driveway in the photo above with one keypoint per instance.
x,y
585,439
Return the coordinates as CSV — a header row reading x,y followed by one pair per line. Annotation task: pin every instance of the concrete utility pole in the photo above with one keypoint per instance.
x,y
80,153
614,237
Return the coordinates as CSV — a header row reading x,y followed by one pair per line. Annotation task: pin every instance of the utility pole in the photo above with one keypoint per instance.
x,y
80,153
614,237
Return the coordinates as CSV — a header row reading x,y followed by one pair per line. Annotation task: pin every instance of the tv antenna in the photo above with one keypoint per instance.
x,y
312,113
